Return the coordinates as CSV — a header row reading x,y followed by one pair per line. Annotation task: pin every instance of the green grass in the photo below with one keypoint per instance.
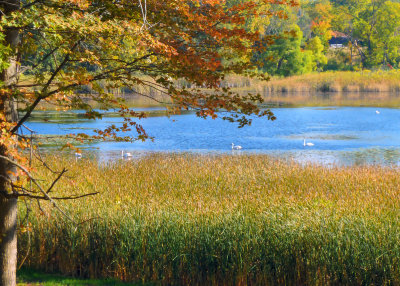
x,y
226,220
30,277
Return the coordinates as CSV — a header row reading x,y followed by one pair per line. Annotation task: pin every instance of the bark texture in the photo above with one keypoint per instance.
x,y
8,202
8,212
8,208
8,241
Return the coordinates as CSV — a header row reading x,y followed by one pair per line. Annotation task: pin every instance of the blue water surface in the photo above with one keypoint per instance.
x,y
344,136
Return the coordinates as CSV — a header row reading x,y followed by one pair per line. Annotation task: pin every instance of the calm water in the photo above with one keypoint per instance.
x,y
343,136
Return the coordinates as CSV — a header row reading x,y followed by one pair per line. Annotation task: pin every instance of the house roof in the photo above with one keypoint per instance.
x,y
337,34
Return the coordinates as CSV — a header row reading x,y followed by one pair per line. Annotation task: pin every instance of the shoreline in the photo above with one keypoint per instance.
x,y
329,81
381,86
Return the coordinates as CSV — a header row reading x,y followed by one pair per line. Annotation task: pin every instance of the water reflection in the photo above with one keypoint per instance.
x,y
373,156
341,136
327,158
361,157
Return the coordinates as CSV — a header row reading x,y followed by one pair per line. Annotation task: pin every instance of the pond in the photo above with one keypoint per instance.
x,y
341,136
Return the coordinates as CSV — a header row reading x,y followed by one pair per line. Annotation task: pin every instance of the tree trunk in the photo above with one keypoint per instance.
x,y
8,211
279,64
8,206
8,202
8,241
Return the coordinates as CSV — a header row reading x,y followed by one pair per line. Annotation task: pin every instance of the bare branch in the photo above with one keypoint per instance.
x,y
39,157
45,195
56,180
57,198
43,93
24,69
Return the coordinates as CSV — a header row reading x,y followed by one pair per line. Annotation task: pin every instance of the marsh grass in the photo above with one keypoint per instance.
x,y
329,81
226,220
342,88
339,88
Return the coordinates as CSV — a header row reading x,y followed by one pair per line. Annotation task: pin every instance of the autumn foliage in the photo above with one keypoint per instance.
x,y
109,44
66,47
70,53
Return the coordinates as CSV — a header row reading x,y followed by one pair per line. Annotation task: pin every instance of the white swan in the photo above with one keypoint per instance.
x,y
377,112
125,155
236,147
78,156
307,143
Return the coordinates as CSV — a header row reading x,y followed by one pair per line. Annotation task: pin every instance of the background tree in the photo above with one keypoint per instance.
x,y
367,30
284,57
52,48
317,48
386,39
321,14
372,26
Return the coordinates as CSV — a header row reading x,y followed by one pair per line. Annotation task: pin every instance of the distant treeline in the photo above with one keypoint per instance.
x,y
320,35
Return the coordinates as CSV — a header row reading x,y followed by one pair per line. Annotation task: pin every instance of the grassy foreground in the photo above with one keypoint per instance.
x,y
32,278
226,220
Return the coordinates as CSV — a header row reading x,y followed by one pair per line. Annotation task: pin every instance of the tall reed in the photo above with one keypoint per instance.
x,y
329,81
221,220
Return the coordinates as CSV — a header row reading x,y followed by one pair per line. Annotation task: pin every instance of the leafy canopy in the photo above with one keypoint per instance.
x,y
373,27
104,45
73,52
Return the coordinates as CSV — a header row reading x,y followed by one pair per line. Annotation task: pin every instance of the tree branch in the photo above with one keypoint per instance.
x,y
45,195
43,93
57,198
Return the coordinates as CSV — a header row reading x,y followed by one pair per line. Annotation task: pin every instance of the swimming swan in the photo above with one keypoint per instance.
x,y
236,147
307,143
125,155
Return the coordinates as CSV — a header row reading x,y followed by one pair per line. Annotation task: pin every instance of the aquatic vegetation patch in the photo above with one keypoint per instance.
x,y
323,136
50,140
